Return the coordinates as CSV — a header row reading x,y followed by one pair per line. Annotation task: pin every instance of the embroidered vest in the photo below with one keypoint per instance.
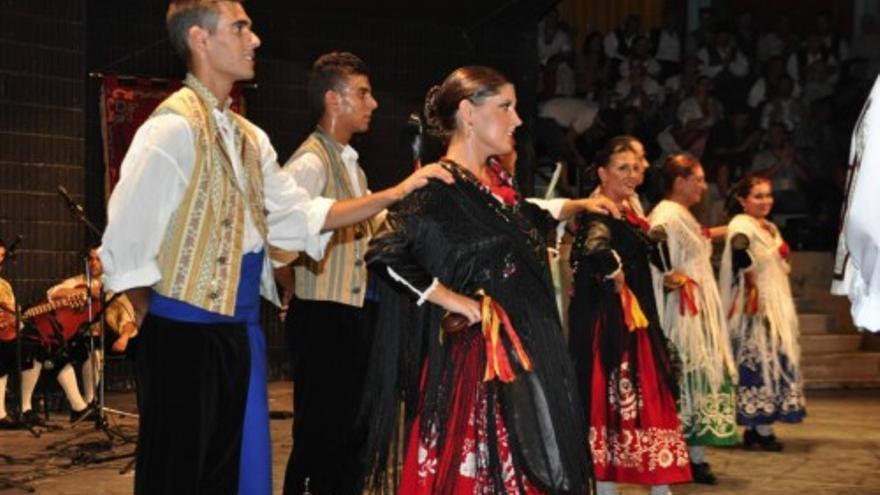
x,y
341,276
200,255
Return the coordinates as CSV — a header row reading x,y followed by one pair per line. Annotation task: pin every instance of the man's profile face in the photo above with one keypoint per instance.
x,y
96,269
231,47
356,103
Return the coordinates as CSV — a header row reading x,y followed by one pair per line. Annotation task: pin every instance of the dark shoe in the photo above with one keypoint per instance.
x,y
750,440
769,443
7,423
703,474
30,418
86,414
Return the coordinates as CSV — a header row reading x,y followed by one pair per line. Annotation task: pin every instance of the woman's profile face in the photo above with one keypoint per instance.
x,y
693,186
619,177
494,121
639,151
759,202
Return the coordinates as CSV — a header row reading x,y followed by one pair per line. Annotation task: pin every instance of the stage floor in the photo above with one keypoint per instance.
x,y
834,452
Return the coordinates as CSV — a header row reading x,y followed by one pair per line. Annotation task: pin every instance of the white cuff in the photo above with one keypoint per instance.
x,y
428,292
619,266
423,295
146,276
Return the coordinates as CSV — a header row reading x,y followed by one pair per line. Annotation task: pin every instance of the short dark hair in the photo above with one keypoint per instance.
x,y
184,14
473,83
328,73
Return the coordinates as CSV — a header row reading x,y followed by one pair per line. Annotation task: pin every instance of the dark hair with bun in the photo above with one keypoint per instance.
x,y
741,190
677,165
473,83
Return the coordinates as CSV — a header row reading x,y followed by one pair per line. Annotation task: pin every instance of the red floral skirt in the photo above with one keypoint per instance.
x,y
461,465
635,437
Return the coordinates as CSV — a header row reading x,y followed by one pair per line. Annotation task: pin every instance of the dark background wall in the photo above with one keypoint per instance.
x,y
42,137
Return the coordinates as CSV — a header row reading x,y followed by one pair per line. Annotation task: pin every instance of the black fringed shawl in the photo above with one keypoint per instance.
x,y
467,239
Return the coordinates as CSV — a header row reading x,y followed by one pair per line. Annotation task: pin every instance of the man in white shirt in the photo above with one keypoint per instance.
x,y
668,44
332,312
200,208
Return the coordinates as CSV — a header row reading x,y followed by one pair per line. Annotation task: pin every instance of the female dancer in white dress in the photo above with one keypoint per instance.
x,y
761,317
692,315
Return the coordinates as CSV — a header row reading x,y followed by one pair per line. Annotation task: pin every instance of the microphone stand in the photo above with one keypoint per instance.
x,y
77,211
101,410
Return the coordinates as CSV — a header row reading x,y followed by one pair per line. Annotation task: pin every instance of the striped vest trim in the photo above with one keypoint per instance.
x,y
200,255
341,276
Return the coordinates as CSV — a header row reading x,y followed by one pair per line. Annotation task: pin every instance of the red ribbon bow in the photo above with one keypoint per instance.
x,y
635,220
687,300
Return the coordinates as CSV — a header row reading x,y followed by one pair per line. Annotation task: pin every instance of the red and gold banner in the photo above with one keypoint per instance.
x,y
126,102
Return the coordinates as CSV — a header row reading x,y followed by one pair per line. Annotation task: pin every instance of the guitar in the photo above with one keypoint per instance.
x,y
59,321
75,301
7,323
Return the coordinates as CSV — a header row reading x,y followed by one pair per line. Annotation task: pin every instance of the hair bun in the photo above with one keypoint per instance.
x,y
432,117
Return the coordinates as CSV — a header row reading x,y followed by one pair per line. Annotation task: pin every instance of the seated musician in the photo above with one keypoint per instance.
x,y
119,318
32,357
78,353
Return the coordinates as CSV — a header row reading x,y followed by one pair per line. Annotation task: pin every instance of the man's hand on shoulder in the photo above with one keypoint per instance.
x,y
420,178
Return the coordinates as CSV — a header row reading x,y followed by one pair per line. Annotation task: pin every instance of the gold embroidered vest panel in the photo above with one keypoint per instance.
x,y
341,276
200,256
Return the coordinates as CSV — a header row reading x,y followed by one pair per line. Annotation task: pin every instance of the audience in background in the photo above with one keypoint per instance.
x,y
743,93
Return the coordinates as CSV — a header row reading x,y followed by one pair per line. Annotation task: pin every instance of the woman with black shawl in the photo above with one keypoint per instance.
x,y
625,371
489,399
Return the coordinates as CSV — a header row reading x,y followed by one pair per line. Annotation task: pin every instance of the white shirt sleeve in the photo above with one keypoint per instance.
x,y
757,93
308,172
708,70
740,65
610,45
551,206
295,218
153,179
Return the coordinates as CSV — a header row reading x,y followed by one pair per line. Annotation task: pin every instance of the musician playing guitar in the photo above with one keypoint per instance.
x,y
119,318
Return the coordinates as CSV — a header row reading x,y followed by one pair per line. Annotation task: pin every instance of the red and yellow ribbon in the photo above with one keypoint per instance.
x,y
497,362
687,299
633,316
751,298
751,304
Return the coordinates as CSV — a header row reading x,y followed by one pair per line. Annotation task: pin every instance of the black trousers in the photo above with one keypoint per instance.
x,y
330,345
192,384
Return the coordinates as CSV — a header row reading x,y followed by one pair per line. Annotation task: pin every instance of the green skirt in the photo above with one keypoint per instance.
x,y
707,417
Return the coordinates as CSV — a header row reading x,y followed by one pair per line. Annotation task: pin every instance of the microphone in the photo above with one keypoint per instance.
x,y
414,127
73,205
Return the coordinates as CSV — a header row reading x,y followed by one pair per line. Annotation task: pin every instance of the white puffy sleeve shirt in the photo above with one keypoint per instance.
x,y
154,176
